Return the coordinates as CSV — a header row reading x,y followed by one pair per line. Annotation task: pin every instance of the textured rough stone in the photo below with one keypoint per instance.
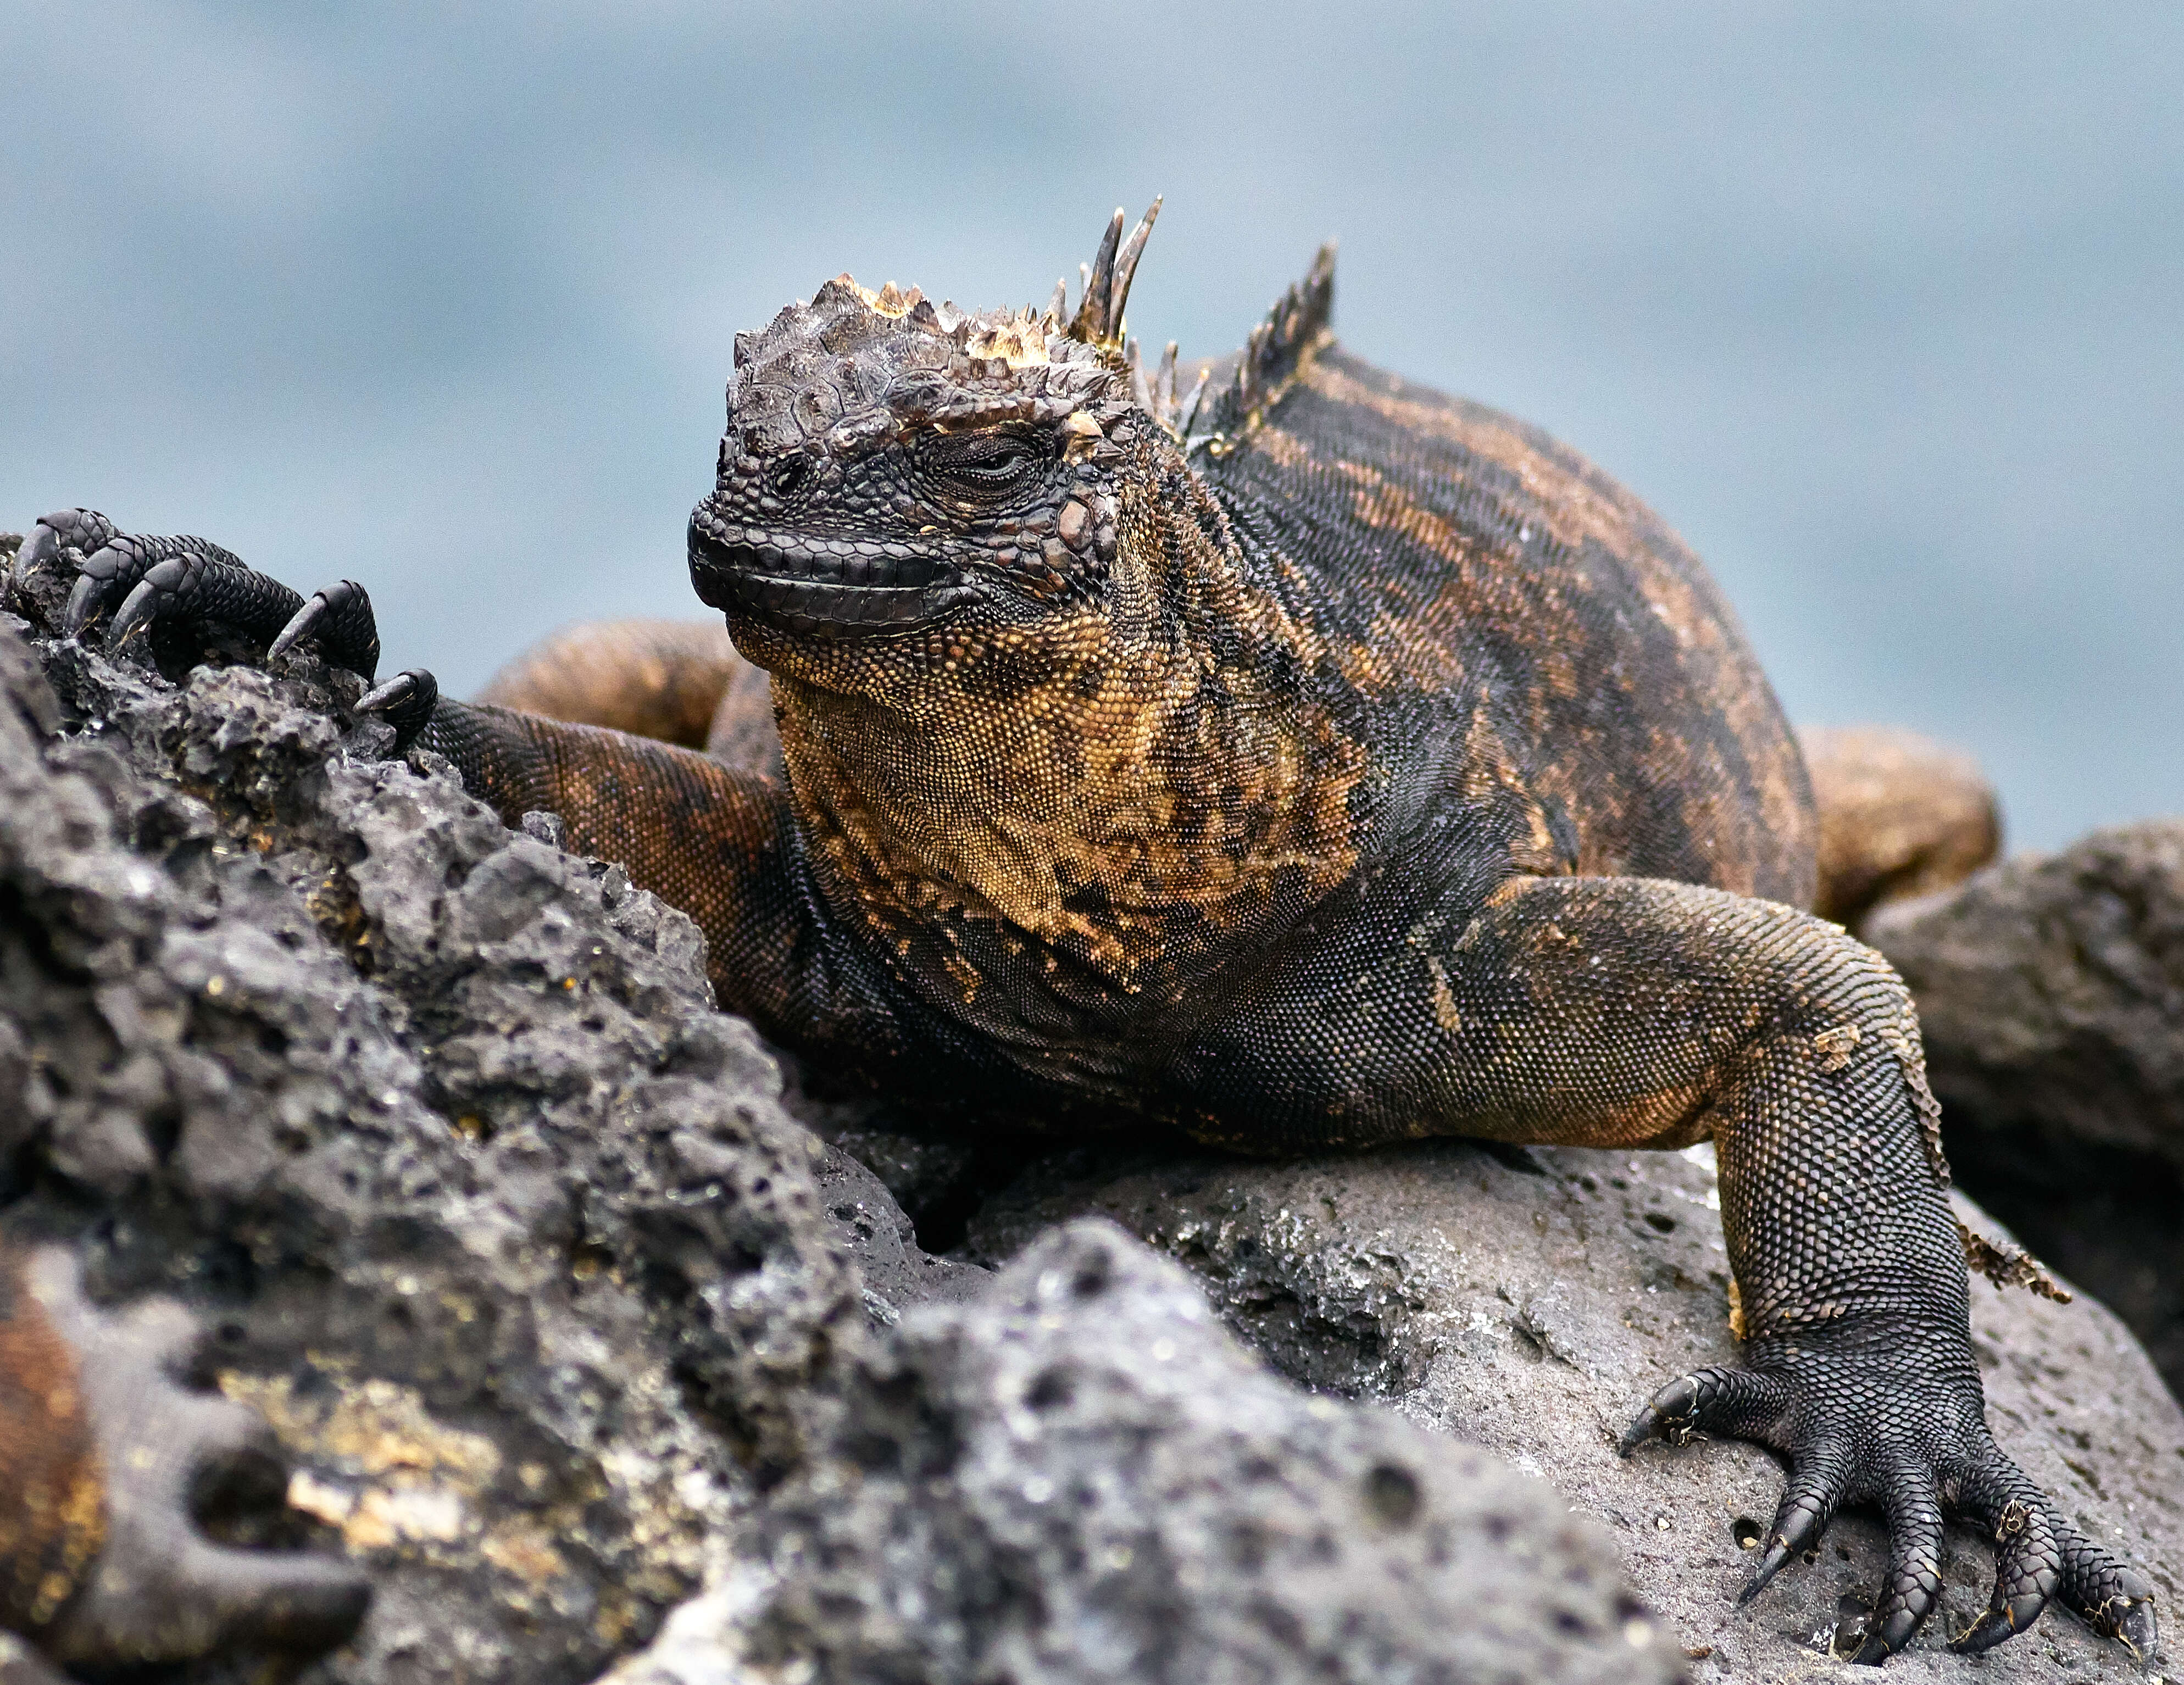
x,y
896,1272
2051,990
503,1227
1078,1476
1529,1301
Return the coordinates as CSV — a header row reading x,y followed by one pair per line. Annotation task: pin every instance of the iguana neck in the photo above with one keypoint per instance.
x,y
1161,785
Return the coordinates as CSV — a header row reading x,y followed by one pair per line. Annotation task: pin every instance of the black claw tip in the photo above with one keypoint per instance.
x,y
1995,1624
2135,1624
299,628
406,701
138,610
79,605
42,547
387,698
1891,1636
2141,1632
1668,1416
1872,1653
1770,1564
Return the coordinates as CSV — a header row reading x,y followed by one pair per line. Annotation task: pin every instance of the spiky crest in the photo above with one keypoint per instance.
x,y
1098,318
855,362
1301,324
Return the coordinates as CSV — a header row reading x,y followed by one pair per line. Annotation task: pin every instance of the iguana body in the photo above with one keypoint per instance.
x,y
1318,762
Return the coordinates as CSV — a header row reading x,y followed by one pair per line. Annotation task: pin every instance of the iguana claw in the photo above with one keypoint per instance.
x,y
406,701
1900,1440
184,582
339,621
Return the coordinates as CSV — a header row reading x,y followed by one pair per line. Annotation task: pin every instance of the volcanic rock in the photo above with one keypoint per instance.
x,y
1077,1477
1531,1300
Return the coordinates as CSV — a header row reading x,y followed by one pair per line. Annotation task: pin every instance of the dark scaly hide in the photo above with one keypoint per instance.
x,y
1083,738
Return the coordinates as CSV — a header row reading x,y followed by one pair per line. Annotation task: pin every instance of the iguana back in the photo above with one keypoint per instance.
x,y
1496,599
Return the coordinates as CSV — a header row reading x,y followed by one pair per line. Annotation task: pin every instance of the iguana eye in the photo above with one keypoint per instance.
x,y
789,474
983,462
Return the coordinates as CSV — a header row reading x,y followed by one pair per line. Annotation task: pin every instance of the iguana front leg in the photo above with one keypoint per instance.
x,y
679,680
711,840
1630,1012
708,839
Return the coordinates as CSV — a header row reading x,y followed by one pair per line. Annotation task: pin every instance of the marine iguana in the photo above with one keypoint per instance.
x,y
1305,759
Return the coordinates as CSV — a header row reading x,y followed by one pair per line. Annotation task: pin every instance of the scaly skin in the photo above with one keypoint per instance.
x,y
1316,762
1900,815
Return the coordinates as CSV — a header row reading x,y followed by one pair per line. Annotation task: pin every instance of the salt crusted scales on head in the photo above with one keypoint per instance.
x,y
854,365
891,464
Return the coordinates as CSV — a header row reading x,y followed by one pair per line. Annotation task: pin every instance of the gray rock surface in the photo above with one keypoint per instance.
x,y
2051,991
1078,1477
500,1222
895,1271
1529,1300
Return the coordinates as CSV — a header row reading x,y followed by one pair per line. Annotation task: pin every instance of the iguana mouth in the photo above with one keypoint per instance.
x,y
826,587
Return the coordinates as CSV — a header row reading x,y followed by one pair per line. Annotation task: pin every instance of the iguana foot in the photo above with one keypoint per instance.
x,y
190,582
159,1590
1911,1439
143,581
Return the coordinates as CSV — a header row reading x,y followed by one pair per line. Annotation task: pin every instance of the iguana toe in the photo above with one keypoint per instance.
x,y
1816,1486
1912,1445
339,621
406,701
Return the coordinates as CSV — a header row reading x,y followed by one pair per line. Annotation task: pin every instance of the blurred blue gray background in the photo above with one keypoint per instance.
x,y
1879,304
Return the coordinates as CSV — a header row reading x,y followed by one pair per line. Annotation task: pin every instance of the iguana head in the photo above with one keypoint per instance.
x,y
903,471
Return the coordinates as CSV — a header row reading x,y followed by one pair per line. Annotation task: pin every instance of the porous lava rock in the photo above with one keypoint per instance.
x,y
1529,1300
499,1224
1078,1477
2051,991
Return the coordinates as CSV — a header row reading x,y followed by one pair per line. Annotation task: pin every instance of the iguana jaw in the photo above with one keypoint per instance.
x,y
808,587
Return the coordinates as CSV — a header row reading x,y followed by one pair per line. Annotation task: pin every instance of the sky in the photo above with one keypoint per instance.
x,y
1881,305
